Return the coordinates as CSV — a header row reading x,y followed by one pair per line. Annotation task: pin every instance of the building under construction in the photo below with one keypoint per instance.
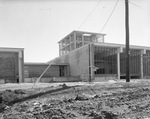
x,y
84,56
90,58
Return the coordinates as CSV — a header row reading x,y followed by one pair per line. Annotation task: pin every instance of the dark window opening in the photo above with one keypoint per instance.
x,y
62,71
100,71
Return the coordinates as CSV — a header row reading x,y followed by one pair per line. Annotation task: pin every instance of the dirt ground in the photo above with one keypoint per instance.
x,y
104,100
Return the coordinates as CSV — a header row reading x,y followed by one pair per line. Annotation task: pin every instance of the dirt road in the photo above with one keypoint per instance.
x,y
107,100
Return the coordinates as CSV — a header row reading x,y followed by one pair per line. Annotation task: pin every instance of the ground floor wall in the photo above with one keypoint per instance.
x,y
78,61
111,61
11,65
100,62
99,78
53,79
146,64
35,71
135,63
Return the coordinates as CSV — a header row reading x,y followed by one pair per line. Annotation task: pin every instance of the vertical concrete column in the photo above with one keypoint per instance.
x,y
65,45
21,66
141,62
70,43
118,66
82,40
74,36
102,38
62,43
59,49
92,62
119,50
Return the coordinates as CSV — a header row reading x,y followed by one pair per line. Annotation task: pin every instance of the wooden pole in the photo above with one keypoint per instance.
x,y
43,73
127,41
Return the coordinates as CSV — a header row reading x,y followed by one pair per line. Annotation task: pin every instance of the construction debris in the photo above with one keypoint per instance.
x,y
80,102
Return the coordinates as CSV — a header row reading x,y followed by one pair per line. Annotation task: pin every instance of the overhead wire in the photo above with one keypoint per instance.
x,y
135,4
109,16
89,15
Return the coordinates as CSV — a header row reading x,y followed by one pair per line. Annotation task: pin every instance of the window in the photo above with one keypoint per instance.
x,y
62,71
105,58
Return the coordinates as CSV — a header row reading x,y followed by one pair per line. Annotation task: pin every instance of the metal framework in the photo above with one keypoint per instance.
x,y
146,64
105,59
134,63
108,58
77,39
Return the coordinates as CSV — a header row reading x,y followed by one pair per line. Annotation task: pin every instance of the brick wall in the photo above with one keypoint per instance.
x,y
9,66
37,70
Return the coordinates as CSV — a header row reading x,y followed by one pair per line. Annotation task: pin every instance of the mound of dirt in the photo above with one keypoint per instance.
x,y
103,115
8,96
81,103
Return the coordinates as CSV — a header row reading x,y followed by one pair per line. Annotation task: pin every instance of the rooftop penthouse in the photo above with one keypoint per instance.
x,y
77,39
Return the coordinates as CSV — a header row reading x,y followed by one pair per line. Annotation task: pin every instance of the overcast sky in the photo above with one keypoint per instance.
x,y
37,25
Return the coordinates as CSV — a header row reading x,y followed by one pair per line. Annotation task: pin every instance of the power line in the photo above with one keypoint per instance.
x,y
135,4
89,15
110,16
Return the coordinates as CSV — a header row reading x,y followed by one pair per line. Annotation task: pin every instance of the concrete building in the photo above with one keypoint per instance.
x,y
84,56
68,43
11,65
55,73
90,58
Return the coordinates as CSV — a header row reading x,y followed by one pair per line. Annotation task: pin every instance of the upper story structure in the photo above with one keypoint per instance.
x,y
77,39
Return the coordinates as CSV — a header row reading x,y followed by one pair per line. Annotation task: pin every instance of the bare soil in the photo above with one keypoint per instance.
x,y
117,100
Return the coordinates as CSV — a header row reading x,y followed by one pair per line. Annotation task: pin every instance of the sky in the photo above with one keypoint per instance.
x,y
38,25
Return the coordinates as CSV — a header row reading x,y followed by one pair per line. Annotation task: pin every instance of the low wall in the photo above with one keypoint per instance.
x,y
52,79
146,77
104,78
10,80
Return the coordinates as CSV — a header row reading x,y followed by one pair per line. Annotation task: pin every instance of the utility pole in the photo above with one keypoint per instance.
x,y
127,41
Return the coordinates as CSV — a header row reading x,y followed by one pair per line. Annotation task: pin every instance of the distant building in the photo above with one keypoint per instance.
x,y
11,65
90,58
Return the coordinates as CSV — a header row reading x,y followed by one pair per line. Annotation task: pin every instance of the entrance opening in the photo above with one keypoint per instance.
x,y
62,71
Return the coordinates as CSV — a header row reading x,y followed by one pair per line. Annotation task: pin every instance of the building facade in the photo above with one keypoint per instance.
x,y
52,72
77,39
11,65
94,59
36,69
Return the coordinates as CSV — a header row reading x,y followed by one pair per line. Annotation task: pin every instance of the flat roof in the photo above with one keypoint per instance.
x,y
121,45
75,31
41,63
88,32
115,45
9,49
